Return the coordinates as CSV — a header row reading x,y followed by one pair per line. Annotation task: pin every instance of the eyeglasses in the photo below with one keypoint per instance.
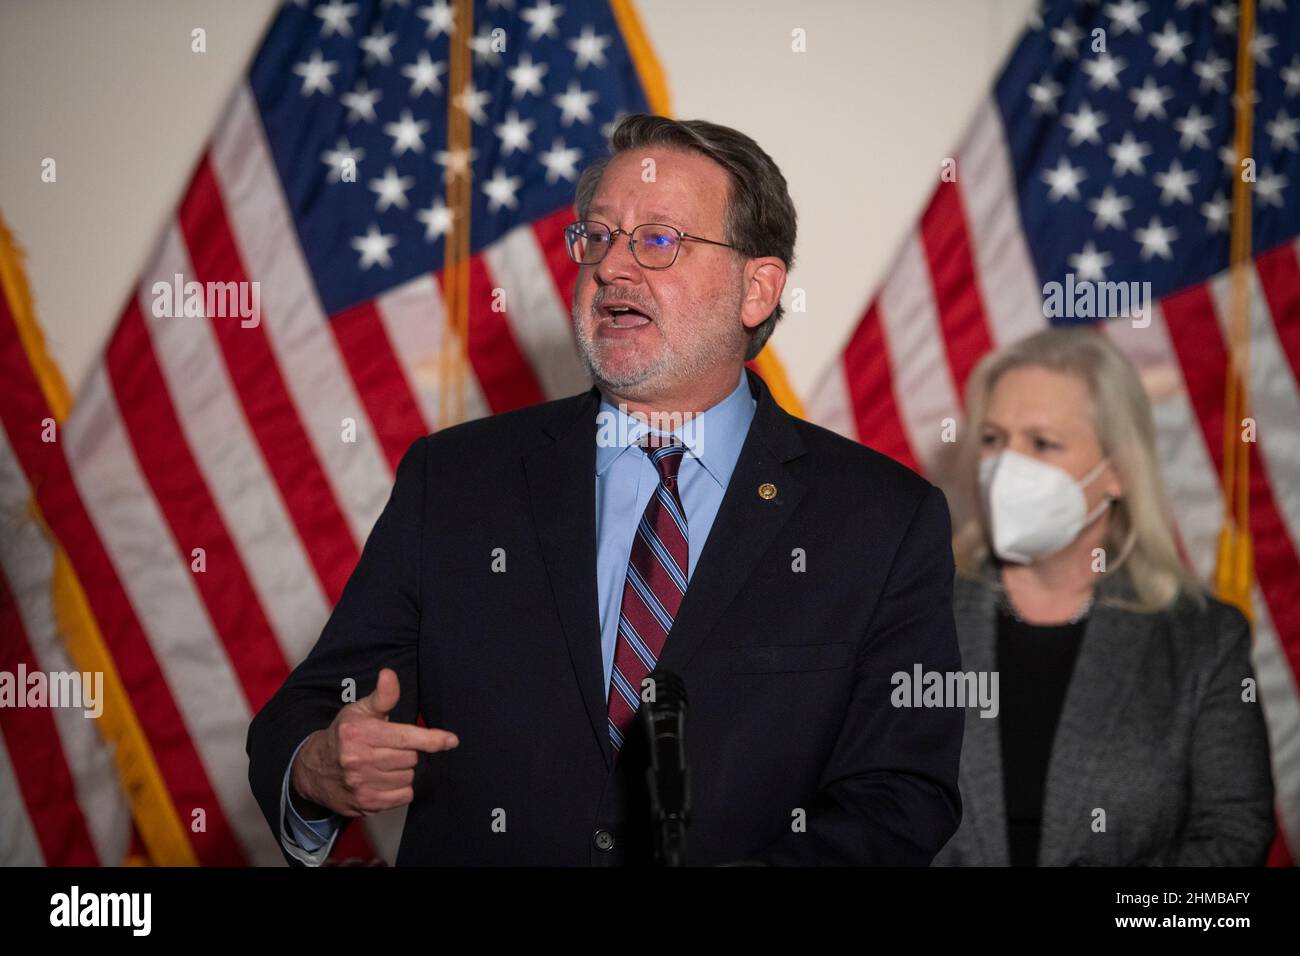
x,y
653,245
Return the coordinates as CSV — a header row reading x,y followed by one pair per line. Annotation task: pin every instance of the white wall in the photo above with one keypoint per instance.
x,y
859,123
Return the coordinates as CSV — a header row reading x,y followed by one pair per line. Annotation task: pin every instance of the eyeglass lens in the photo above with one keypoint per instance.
x,y
654,246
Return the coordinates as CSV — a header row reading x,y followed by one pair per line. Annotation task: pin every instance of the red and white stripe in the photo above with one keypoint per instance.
x,y
58,785
225,452
963,280
315,376
414,317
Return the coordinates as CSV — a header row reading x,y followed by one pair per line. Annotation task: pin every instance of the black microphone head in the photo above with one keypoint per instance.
x,y
667,691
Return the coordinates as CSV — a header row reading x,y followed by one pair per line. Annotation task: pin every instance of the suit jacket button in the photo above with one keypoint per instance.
x,y
603,839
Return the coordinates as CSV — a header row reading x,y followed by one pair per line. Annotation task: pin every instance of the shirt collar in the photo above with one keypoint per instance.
x,y
714,437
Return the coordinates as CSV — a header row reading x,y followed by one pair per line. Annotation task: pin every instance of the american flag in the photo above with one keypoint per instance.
x,y
1106,153
210,488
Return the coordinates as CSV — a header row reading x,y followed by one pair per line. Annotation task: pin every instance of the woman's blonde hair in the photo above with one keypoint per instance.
x,y
1140,536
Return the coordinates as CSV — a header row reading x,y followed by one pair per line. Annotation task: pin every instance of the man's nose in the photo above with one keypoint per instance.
x,y
619,263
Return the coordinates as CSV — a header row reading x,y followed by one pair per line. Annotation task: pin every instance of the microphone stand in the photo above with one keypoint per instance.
x,y
667,776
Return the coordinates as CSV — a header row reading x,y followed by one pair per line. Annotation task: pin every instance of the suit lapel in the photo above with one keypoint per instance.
x,y
981,763
744,528
561,478
1105,674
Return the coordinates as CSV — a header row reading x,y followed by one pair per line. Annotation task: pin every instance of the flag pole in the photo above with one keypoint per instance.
x,y
460,174
1234,573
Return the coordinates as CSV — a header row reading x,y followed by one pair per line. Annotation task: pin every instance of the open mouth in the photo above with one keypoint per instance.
x,y
622,316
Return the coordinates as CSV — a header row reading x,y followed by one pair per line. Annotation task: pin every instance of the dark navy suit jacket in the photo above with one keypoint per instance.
x,y
801,608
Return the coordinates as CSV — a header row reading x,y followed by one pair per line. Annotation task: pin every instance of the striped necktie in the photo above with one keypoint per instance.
x,y
652,593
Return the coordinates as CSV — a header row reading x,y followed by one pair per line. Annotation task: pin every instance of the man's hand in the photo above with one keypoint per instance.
x,y
361,764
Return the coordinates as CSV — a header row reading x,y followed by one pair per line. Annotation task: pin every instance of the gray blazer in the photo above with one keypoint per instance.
x,y
1153,731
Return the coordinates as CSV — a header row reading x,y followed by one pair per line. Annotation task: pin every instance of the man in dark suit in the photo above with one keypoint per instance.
x,y
531,569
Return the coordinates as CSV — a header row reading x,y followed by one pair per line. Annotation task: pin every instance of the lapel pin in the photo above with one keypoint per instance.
x,y
767,491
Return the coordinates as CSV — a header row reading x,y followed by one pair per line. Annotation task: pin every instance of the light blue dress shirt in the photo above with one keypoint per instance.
x,y
625,480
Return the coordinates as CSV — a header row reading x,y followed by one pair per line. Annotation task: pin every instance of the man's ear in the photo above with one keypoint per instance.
x,y
764,280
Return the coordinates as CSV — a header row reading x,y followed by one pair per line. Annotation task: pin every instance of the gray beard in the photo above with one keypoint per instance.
x,y
587,351
719,348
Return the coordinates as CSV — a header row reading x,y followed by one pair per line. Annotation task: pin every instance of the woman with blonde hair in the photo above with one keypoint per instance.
x,y
1123,732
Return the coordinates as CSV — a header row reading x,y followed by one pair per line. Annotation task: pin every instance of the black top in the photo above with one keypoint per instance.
x,y
1034,665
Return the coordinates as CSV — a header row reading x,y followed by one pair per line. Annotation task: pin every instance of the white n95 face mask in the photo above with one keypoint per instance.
x,y
1034,509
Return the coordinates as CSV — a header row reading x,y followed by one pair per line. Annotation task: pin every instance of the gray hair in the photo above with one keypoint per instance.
x,y
760,218
1140,530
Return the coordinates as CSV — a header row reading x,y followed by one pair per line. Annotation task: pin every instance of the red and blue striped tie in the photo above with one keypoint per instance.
x,y
656,582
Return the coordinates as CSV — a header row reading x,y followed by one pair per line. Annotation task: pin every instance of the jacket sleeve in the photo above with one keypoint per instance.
x,y
889,795
1230,812
374,625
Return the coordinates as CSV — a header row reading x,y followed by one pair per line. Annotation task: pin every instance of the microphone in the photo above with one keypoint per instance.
x,y
667,776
